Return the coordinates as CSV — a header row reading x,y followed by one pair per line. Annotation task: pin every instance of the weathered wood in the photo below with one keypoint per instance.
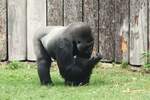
x,y
17,29
138,31
72,11
91,17
122,30
36,11
3,47
55,12
106,29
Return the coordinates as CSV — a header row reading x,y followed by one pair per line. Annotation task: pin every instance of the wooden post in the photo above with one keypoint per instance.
x,y
17,29
90,16
138,31
72,11
107,29
55,12
122,30
3,46
36,11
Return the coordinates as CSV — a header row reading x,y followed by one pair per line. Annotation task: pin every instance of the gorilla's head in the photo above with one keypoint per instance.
x,y
77,76
83,40
78,73
84,48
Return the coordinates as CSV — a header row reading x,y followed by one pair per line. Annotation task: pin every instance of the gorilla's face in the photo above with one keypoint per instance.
x,y
77,82
82,38
84,47
79,73
77,78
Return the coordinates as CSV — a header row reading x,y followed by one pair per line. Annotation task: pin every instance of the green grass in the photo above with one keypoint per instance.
x,y
107,83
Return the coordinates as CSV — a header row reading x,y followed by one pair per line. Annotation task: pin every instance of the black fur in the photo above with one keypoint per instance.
x,y
71,46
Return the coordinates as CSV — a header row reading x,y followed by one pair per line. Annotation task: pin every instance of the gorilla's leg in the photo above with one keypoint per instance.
x,y
44,71
44,64
43,61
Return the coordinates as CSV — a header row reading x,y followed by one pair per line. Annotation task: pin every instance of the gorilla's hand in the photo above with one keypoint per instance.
x,y
94,60
98,56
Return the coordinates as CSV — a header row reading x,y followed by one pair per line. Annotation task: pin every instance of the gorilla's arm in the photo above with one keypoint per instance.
x,y
88,63
94,60
64,55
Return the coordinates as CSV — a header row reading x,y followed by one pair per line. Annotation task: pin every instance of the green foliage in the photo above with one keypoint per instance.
x,y
145,57
147,65
14,65
124,64
113,64
146,54
18,64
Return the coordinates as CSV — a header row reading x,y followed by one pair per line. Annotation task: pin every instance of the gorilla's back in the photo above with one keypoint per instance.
x,y
54,34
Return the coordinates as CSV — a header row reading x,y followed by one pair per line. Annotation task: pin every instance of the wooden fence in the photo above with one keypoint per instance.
x,y
121,27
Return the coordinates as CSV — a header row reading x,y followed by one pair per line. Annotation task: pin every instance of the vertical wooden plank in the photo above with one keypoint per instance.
x,y
17,29
3,47
36,11
138,31
122,30
72,11
106,29
55,12
91,17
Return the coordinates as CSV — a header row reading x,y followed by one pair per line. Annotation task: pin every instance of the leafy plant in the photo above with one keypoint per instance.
x,y
145,57
113,64
14,65
124,64
145,54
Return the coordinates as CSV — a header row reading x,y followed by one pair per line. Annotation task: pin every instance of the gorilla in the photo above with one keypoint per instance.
x,y
71,46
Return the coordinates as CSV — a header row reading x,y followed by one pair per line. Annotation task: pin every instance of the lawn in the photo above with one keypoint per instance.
x,y
19,81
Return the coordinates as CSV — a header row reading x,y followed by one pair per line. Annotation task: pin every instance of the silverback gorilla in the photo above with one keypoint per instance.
x,y
71,46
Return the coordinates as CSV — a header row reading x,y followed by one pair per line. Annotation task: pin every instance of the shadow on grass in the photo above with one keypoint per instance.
x,y
59,83
96,83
